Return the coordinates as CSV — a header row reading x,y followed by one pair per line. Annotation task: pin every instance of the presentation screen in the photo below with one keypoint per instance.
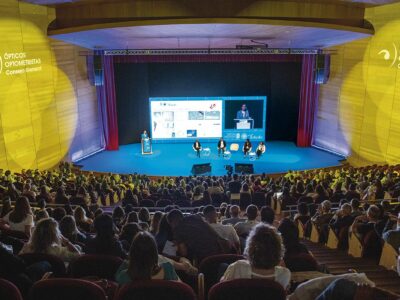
x,y
190,118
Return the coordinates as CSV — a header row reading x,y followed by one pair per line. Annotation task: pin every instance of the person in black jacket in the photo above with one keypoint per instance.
x,y
221,146
197,147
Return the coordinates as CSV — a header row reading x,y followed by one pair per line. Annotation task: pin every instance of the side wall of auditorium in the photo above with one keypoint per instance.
x,y
48,109
358,112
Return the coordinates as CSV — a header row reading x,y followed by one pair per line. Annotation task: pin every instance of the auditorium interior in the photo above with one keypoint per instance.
x,y
199,149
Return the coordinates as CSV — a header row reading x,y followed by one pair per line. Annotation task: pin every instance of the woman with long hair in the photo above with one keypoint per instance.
x,y
47,238
21,217
69,229
155,222
143,262
84,223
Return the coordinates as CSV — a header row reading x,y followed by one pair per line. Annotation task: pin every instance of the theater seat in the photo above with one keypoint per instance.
x,y
301,263
210,265
146,203
101,266
247,289
8,291
155,290
57,265
66,289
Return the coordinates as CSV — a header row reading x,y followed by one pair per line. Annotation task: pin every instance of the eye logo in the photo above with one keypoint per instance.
x,y
386,55
212,106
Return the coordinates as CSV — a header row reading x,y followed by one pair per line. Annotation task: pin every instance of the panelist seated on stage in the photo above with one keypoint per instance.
x,y
260,149
197,147
243,113
221,146
246,147
144,135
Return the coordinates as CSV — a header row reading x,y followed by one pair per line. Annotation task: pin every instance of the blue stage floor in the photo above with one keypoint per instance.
x,y
177,159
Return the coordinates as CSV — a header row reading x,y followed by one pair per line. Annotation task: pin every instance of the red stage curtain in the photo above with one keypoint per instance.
x,y
107,103
309,91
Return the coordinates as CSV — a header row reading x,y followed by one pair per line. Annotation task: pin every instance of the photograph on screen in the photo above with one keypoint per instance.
x,y
245,114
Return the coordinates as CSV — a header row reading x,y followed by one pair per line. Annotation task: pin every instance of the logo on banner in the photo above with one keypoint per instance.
x,y
19,63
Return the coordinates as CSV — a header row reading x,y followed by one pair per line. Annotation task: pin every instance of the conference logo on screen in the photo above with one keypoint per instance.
x,y
19,63
387,55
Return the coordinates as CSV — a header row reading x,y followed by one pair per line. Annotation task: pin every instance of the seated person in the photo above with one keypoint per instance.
x,y
342,218
321,220
290,237
194,237
264,251
366,223
46,238
260,149
105,242
246,147
143,262
21,217
221,146
197,147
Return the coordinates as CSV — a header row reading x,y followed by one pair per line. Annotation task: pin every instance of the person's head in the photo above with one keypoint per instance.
x,y
44,235
155,222
104,226
174,217
346,209
68,226
251,212
41,214
302,209
118,214
129,231
373,213
144,215
267,215
289,232
234,211
59,213
80,214
21,210
244,107
355,204
210,214
221,139
144,131
132,217
326,206
264,247
143,257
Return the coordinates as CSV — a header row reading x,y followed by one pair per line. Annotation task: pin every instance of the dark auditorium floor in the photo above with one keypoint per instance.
x,y
339,262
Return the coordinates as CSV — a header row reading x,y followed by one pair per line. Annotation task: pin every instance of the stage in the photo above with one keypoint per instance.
x,y
177,159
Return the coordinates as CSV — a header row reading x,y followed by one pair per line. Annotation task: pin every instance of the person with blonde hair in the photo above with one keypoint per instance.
x,y
47,238
82,221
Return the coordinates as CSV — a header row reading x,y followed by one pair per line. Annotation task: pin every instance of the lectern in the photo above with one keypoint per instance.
x,y
244,123
146,146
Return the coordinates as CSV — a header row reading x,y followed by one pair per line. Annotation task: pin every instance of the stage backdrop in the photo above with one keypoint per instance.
x,y
137,82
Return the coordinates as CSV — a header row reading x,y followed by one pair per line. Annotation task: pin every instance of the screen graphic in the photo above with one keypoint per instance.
x,y
234,118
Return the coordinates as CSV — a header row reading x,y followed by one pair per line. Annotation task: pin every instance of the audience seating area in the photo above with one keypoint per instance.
x,y
67,234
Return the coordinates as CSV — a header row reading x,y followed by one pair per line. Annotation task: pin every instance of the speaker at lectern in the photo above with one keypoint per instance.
x,y
244,123
146,146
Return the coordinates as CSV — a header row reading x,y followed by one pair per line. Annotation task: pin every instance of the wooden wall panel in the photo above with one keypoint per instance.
x,y
364,91
39,111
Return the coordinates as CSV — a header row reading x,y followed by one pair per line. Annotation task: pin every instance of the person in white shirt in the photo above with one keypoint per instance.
x,y
260,149
225,231
21,217
264,252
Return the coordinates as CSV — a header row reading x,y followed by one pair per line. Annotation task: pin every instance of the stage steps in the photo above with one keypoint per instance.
x,y
339,262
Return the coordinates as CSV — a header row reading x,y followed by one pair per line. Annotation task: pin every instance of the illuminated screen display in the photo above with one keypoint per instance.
x,y
190,118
